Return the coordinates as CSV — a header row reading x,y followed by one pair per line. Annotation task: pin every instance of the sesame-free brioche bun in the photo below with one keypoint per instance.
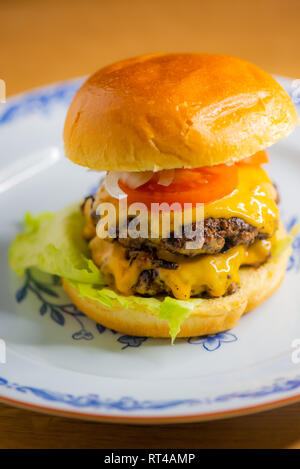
x,y
164,111
209,316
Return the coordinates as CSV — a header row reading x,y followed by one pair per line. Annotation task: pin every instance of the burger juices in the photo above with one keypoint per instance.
x,y
174,129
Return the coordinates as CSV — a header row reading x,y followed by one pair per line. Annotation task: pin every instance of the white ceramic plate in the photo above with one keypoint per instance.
x,y
59,361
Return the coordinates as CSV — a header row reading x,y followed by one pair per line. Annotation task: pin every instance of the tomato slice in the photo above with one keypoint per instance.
x,y
200,185
261,157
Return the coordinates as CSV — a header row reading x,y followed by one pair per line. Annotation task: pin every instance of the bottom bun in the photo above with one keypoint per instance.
x,y
209,316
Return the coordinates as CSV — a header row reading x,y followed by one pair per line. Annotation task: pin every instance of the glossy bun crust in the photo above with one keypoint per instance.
x,y
165,111
210,316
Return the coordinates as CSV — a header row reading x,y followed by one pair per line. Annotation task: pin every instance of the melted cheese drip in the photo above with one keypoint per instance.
x,y
253,200
213,273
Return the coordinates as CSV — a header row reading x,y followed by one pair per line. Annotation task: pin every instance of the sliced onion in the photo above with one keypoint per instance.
x,y
134,180
166,177
112,186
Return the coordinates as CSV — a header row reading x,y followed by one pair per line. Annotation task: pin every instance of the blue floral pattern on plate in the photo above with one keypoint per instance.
x,y
39,101
94,401
294,261
213,342
43,290
128,404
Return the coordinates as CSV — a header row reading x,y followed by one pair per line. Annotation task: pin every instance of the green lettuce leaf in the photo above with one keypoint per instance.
x,y
54,244
170,309
110,298
281,244
175,312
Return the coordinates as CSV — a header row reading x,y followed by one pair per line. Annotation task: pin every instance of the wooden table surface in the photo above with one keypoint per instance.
x,y
46,41
274,429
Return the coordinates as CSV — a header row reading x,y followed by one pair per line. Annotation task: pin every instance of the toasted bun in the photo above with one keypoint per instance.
x,y
165,111
210,316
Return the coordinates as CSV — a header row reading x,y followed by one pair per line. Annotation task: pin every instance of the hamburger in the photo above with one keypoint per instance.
x,y
187,129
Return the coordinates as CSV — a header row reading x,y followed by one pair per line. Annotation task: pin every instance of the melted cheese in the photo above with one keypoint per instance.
x,y
206,273
213,273
113,263
253,201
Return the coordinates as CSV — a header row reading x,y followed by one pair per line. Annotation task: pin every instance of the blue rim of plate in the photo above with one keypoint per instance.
x,y
40,100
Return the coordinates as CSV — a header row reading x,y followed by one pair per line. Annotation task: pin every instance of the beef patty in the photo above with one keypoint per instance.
x,y
150,284
220,234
